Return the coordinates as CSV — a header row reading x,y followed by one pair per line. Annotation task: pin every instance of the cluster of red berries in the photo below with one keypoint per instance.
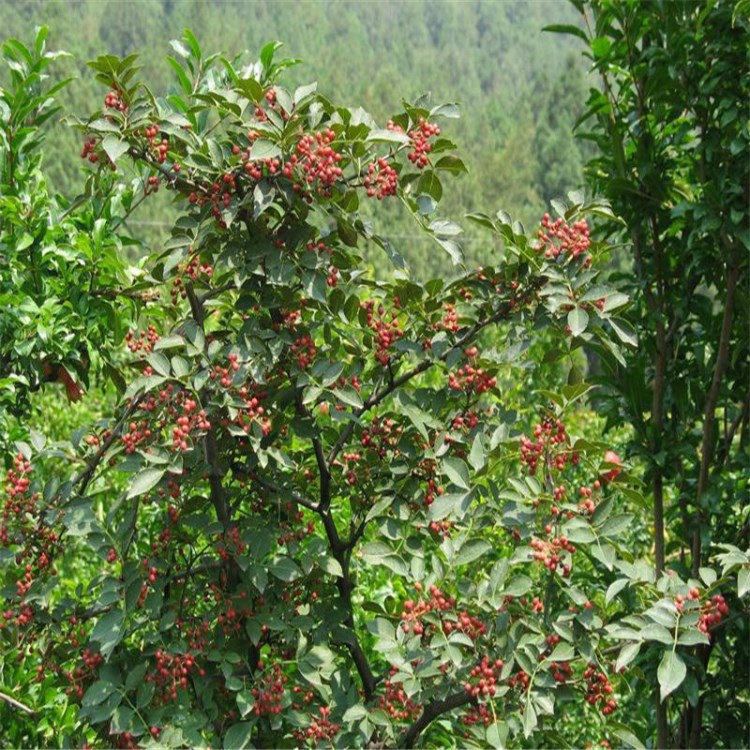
x,y
171,672
558,238
479,714
304,349
598,689
519,680
225,375
159,146
294,530
321,728
449,321
471,379
587,503
386,331
712,611
381,180
269,692
550,435
550,552
382,435
113,100
421,147
190,421
254,411
395,702
194,270
144,342
561,671
460,622
84,673
137,433
466,422
318,161
441,528
483,678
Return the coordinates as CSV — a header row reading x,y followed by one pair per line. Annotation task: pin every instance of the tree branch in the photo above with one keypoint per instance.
x,y
432,711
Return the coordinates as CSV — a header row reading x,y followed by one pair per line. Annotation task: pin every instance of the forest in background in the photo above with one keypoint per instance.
x,y
520,91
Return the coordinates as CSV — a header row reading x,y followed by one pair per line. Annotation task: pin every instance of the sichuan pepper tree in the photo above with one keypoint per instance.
x,y
313,518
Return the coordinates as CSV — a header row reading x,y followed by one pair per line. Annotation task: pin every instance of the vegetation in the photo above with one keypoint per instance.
x,y
310,488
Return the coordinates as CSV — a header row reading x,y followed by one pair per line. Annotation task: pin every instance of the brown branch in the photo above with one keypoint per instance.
x,y
432,711
722,359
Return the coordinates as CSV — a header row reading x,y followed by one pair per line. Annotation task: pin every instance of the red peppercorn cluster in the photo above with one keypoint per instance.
x,y
465,422
137,433
194,270
550,446
395,702
471,379
144,342
450,320
190,421
452,621
551,552
84,673
519,680
113,100
317,160
304,349
588,497
254,411
159,146
321,728
479,714
558,238
561,671
712,611
420,136
443,529
295,529
483,678
382,436
269,691
386,328
598,689
381,180
170,673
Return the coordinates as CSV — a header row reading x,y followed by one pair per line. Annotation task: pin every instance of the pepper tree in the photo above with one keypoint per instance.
x,y
314,519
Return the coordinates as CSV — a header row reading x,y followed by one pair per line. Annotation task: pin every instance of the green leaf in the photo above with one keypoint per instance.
x,y
239,736
562,652
578,319
144,481
743,582
477,455
388,136
457,471
627,737
114,147
285,569
671,673
564,28
625,332
264,149
97,693
472,550
108,631
627,653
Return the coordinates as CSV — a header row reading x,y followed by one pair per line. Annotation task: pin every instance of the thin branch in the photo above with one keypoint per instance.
x,y
17,704
432,711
